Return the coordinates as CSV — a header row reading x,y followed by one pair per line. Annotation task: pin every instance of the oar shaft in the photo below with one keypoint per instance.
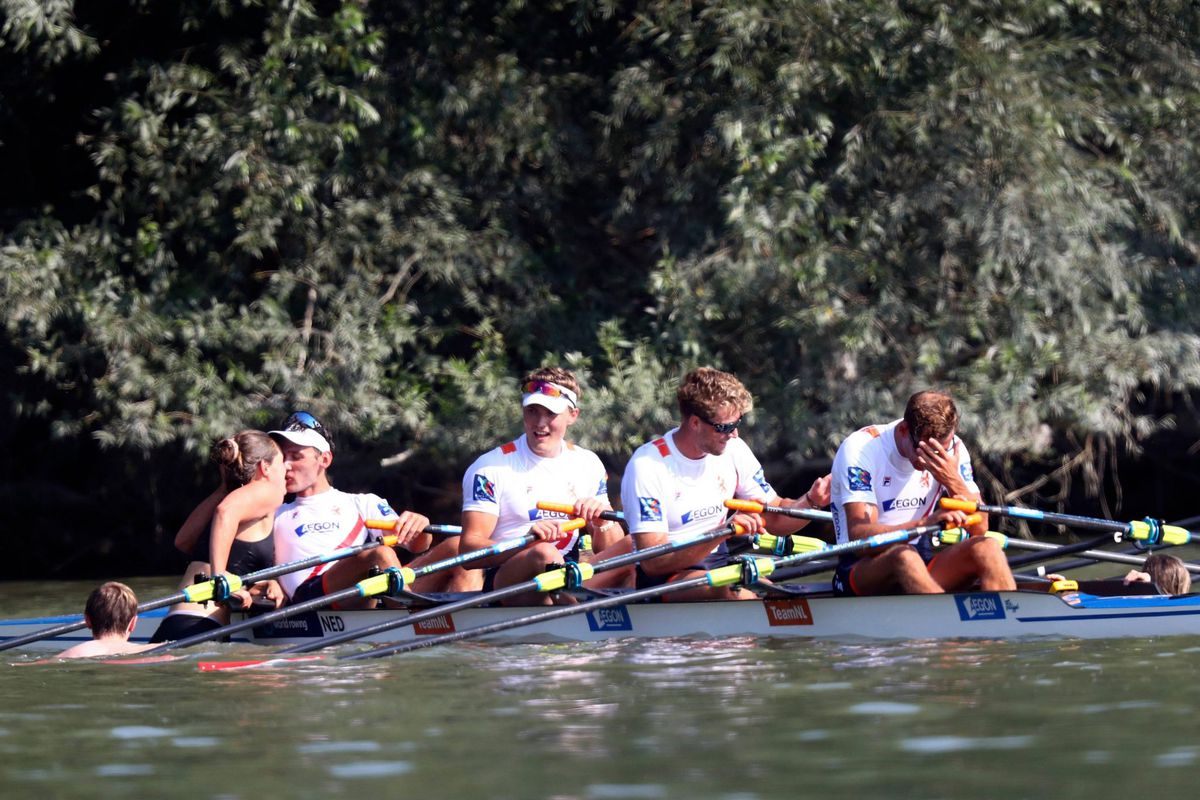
x,y
1149,531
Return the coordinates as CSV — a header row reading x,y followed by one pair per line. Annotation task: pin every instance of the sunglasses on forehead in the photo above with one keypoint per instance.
x,y
549,390
302,421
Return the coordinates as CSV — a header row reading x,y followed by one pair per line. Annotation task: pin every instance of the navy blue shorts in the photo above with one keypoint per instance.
x,y
311,589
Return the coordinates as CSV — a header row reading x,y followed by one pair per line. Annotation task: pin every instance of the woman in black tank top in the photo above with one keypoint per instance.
x,y
230,530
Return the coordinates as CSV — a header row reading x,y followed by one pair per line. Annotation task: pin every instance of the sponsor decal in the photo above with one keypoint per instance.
x,y
761,480
307,626
317,527
536,513
901,503
385,509
602,489
887,480
967,473
859,478
793,611
609,619
703,513
443,623
485,490
332,623
651,509
973,607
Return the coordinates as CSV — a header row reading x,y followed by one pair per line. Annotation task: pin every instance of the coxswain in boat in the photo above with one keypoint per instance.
x,y
230,532
111,614
322,519
676,485
502,488
890,477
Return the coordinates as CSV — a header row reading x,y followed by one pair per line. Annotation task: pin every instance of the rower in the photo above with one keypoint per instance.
x,y
890,477
322,519
676,485
501,490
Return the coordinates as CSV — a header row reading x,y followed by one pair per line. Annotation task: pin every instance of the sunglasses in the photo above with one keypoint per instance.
x,y
302,420
550,390
721,427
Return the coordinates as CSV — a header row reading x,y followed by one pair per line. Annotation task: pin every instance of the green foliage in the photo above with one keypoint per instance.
x,y
385,212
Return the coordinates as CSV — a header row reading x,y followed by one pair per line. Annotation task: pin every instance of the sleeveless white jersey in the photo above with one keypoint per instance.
x,y
664,491
320,524
509,481
869,469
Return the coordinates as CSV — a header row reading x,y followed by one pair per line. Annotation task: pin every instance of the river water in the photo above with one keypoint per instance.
x,y
733,719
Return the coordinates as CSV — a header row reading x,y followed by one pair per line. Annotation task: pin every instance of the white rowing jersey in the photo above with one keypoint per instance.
x,y
868,468
509,481
320,524
664,491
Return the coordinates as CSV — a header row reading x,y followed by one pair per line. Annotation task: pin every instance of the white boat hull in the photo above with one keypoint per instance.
x,y
978,615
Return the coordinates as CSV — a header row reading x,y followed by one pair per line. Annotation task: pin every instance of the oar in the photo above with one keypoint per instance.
x,y
754,507
389,581
569,508
1055,550
546,582
223,585
1150,531
748,571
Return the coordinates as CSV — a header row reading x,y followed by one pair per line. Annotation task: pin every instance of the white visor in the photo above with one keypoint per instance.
x,y
304,438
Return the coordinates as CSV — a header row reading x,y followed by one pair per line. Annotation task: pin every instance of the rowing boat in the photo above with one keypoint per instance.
x,y
973,615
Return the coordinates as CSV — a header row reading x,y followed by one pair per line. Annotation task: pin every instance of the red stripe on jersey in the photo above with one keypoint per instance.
x,y
317,570
661,444
508,449
872,431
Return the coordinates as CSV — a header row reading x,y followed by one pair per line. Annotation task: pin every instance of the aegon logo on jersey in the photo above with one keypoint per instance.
x,y
901,503
485,490
703,513
317,527
536,513
860,479
761,480
651,509
385,510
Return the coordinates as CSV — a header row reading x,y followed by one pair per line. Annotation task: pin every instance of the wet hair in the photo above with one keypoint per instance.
x,y
931,415
239,455
1168,573
705,392
563,377
110,608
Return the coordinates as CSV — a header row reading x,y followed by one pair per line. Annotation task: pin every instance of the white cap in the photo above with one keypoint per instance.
x,y
553,396
306,437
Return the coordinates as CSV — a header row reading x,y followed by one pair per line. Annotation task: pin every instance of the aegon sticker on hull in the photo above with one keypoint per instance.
x,y
609,619
443,623
788,612
972,607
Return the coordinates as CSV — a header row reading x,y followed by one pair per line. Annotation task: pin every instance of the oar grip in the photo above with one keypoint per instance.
x,y
954,504
572,525
750,506
561,508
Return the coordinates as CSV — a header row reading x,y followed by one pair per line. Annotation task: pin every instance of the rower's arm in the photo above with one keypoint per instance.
x,y
194,526
478,527
816,497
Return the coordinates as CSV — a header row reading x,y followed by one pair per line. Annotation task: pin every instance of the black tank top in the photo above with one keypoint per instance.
x,y
244,557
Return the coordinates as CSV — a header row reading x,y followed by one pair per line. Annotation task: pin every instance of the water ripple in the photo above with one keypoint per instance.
x,y
934,745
